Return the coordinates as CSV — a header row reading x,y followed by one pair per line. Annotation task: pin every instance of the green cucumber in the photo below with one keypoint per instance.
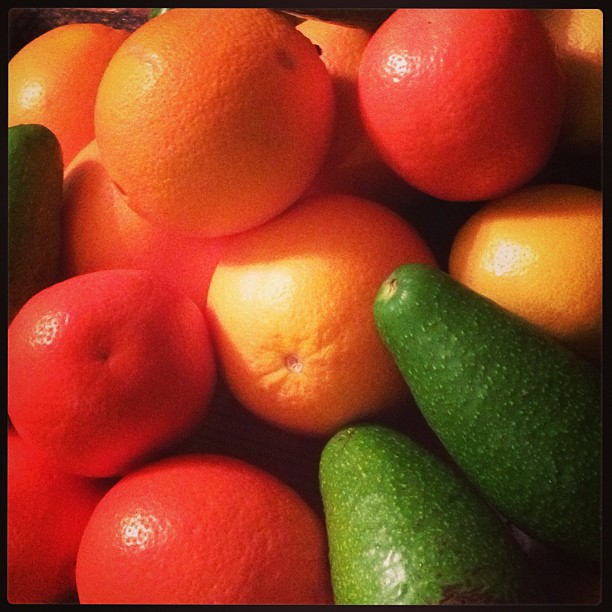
x,y
519,413
405,528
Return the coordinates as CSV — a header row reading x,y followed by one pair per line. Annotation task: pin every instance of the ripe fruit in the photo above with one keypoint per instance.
x,y
106,368
538,253
203,529
340,48
35,176
519,413
290,312
218,135
54,80
352,164
404,528
101,232
464,104
47,511
577,36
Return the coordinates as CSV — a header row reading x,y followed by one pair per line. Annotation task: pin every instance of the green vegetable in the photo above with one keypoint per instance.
x,y
519,413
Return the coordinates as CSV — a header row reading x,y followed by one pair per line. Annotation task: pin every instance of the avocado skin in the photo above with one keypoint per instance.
x,y
35,183
519,413
406,528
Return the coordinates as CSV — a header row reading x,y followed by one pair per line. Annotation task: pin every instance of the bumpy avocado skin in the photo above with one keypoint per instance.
x,y
519,413
35,183
405,528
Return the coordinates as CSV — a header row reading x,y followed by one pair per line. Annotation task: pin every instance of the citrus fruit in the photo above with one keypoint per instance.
x,y
101,232
207,529
213,121
290,309
352,164
538,253
464,104
577,36
340,49
35,179
105,368
47,511
54,79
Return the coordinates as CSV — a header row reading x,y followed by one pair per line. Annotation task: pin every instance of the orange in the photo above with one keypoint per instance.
x,y
352,164
538,253
101,232
54,80
577,36
340,49
464,104
47,511
214,121
203,529
290,308
107,368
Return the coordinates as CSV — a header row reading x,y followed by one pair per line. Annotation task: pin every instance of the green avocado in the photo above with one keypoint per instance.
x,y
35,183
519,413
404,527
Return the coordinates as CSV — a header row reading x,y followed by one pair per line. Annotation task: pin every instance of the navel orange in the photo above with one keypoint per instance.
x,y
218,135
54,80
290,307
539,252
577,35
101,232
352,164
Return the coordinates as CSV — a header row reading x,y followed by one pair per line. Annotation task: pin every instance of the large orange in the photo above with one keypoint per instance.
x,y
107,368
101,232
212,121
538,253
465,104
290,307
203,529
54,80
47,511
577,36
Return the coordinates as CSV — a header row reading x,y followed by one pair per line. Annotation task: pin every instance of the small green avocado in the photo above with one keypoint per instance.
x,y
35,183
519,413
404,527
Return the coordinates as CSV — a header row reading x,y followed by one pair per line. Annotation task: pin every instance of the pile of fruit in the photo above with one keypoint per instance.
x,y
306,308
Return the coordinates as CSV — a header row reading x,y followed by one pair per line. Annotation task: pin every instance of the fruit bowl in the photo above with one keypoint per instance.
x,y
294,458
